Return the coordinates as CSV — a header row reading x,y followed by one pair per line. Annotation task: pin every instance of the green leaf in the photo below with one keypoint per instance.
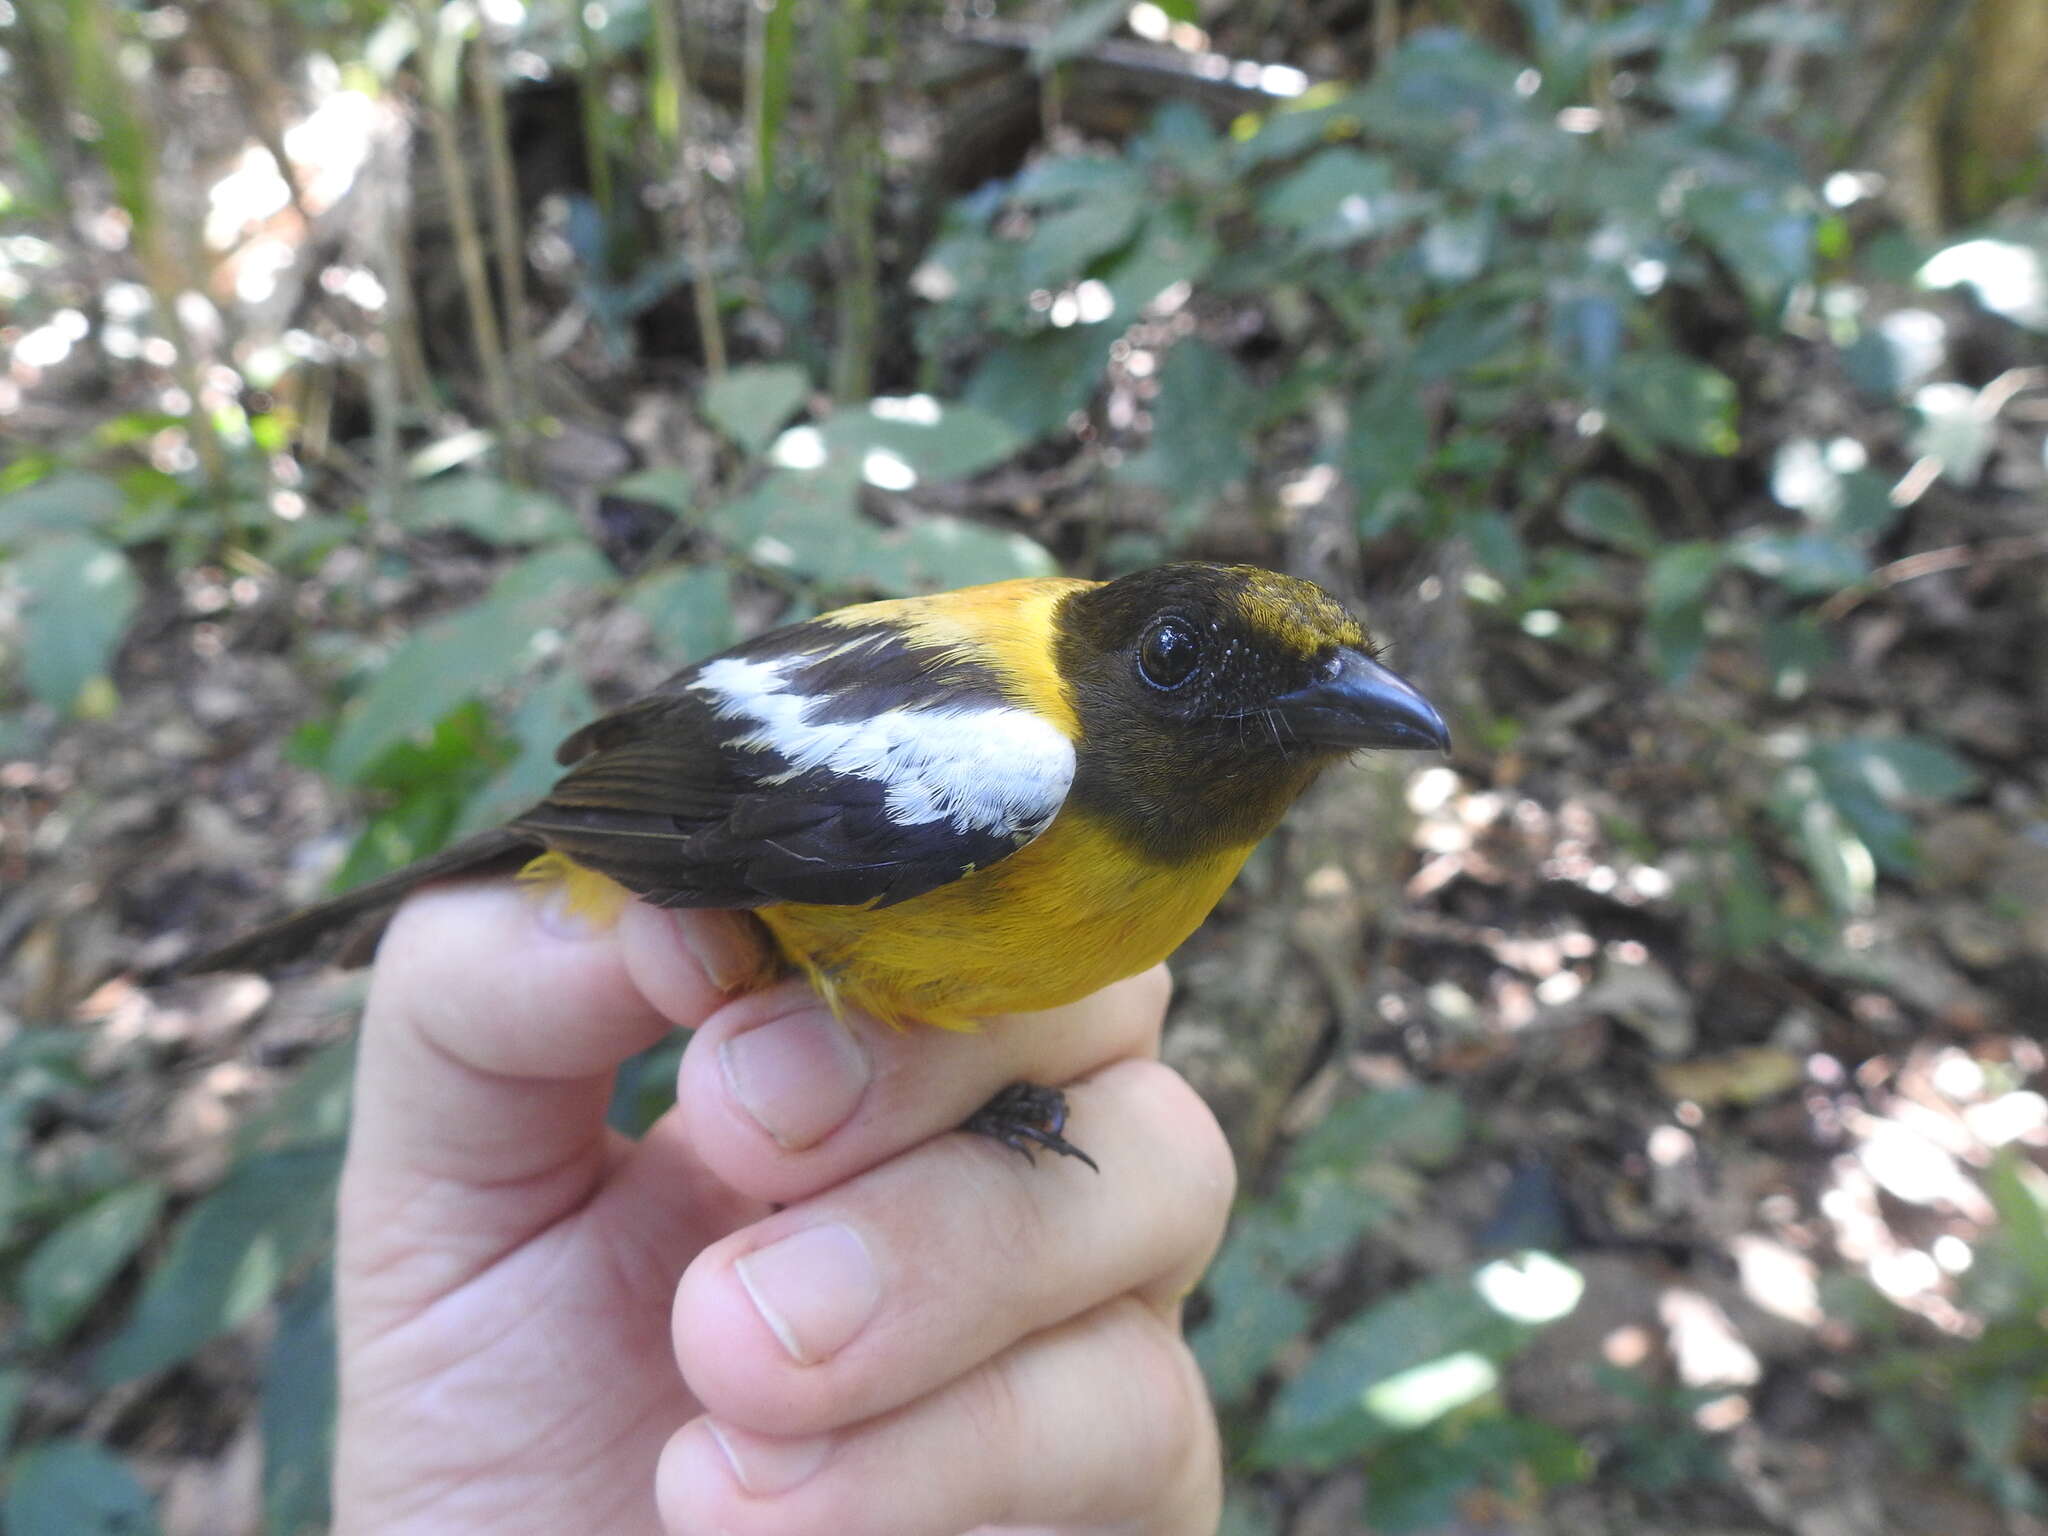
x,y
1077,31
1675,589
689,608
461,656
913,435
1035,384
1901,768
1424,1126
312,1107
1765,235
1868,778
1680,575
298,1410
64,503
1807,563
549,712
942,551
1455,247
1422,1483
14,1385
1254,1316
72,1266
1843,866
495,511
1607,512
74,1488
80,596
1198,445
667,486
1340,197
1465,336
1063,244
753,402
231,1253
1328,1413
2019,1194
1170,249
1496,544
1952,429
1387,445
1669,399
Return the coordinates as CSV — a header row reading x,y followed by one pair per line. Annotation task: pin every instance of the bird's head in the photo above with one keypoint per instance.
x,y
1209,696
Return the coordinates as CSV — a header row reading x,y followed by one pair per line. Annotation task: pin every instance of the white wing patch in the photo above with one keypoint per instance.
x,y
988,768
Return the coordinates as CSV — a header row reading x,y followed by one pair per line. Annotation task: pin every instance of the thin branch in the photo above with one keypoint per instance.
x,y
1929,562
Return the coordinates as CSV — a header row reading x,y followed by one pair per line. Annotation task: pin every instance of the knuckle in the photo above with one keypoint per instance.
x,y
1181,1120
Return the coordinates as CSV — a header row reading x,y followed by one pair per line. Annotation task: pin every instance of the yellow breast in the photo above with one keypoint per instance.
x,y
1064,916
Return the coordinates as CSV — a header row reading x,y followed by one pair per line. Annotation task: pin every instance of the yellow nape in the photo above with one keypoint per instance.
x,y
585,893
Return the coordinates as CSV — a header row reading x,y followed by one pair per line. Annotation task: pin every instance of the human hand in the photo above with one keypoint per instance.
x,y
546,1327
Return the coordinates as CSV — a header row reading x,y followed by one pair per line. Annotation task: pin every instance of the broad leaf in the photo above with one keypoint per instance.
x,y
72,1266
81,594
464,655
62,503
231,1253
1608,512
554,708
752,403
74,1488
689,608
298,1410
1668,399
495,511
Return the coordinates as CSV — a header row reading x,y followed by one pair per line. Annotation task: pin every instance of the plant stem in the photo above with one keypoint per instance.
x,y
597,126
441,65
669,108
856,173
501,183
771,45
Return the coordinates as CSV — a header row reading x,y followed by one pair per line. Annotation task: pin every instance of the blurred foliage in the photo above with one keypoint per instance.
x,y
1504,296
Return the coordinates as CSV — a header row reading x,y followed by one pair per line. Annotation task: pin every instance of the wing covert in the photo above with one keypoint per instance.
x,y
820,764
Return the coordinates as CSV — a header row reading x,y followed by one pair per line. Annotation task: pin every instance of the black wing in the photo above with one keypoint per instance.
x,y
822,764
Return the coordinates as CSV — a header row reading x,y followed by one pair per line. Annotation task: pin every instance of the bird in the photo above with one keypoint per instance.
x,y
992,800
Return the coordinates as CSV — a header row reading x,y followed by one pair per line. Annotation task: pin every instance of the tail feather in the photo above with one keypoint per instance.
x,y
360,914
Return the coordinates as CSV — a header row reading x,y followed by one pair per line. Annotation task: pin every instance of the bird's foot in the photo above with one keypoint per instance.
x,y
1025,1116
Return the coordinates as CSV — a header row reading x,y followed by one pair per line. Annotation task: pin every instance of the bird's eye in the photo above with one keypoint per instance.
x,y
1169,653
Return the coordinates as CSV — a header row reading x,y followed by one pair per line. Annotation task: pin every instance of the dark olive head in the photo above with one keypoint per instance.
x,y
1228,682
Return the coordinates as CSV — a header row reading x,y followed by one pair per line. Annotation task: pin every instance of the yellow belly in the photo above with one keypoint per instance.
x,y
1060,918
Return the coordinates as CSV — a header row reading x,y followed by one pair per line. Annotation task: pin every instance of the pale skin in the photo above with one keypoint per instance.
x,y
801,1305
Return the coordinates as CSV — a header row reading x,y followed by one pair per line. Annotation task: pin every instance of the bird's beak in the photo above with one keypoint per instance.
x,y
1362,704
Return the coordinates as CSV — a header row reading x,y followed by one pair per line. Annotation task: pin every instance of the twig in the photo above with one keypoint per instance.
x,y
1928,562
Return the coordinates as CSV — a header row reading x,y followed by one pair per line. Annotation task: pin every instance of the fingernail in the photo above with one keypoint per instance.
x,y
726,946
815,1290
799,1076
762,1465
